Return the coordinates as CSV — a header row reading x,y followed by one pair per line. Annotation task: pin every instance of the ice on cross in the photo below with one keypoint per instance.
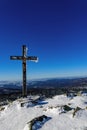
x,y
24,57
37,60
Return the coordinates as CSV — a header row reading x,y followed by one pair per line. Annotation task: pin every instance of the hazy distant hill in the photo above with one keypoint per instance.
x,y
55,82
50,86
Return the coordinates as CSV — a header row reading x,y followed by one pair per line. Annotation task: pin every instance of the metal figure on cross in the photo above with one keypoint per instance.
x,y
24,57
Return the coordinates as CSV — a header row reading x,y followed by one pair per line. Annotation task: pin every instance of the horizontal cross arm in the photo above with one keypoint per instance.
x,y
32,58
16,57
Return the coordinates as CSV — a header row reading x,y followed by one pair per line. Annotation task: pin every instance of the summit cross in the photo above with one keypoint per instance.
x,y
24,57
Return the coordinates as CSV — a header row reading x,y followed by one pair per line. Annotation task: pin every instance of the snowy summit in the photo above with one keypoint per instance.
x,y
57,113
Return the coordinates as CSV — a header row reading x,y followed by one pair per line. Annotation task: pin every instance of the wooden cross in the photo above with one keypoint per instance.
x,y
24,57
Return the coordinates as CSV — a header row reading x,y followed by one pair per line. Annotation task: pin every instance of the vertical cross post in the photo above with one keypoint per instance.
x,y
24,57
24,72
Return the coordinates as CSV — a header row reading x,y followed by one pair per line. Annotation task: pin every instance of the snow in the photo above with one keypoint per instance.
x,y
15,117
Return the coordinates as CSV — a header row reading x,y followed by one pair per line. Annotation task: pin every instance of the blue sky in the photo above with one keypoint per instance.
x,y
53,30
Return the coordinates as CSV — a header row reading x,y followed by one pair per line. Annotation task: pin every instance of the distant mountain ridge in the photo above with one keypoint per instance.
x,y
49,83
48,87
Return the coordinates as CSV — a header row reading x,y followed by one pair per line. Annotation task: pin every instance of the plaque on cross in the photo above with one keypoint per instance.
x,y
24,57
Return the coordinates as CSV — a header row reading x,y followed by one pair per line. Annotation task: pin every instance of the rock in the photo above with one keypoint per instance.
x,y
76,110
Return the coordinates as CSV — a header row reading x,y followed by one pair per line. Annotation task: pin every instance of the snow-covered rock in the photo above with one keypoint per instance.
x,y
59,108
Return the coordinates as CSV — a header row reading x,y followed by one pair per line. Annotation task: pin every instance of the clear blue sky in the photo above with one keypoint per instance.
x,y
53,30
